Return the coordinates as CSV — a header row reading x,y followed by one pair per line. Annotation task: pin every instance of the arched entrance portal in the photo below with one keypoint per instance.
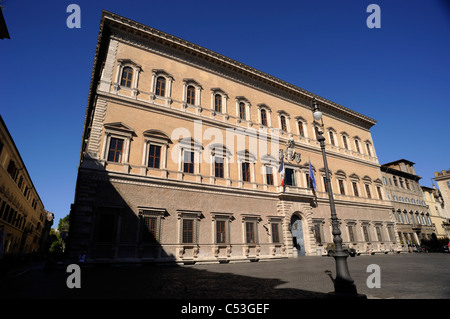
x,y
297,235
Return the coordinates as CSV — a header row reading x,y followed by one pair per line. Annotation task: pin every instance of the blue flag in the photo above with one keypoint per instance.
x,y
311,176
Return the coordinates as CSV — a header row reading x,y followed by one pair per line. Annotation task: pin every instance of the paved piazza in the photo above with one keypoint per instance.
x,y
402,276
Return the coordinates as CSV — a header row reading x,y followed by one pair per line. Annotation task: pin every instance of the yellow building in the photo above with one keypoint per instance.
x,y
410,212
180,156
442,179
435,203
24,223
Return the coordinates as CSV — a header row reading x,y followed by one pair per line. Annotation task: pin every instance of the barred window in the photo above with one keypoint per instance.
x,y
275,232
188,231
220,231
250,232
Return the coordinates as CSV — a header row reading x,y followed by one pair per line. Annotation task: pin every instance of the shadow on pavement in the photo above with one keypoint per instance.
x,y
146,282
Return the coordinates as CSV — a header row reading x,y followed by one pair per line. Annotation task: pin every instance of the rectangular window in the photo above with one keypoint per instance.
x,y
355,188
380,196
325,183
341,186
269,175
378,230
220,232
318,232
115,150
250,232
188,231
275,232
366,232
289,177
12,170
150,229
351,233
188,163
246,171
154,156
391,233
218,167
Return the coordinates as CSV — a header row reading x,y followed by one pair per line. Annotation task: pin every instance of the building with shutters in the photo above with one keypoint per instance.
x,y
24,223
411,212
180,156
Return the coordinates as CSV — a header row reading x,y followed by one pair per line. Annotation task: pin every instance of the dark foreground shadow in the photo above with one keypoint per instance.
x,y
146,282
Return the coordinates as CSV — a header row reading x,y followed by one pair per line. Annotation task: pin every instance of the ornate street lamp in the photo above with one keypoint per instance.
x,y
343,283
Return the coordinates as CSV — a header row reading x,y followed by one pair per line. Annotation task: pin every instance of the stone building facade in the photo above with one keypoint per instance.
x,y
442,195
180,157
438,215
411,213
24,223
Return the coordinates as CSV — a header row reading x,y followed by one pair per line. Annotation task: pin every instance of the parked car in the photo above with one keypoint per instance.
x,y
420,249
331,250
445,249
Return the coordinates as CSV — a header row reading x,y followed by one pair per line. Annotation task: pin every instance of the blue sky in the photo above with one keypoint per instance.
x,y
398,74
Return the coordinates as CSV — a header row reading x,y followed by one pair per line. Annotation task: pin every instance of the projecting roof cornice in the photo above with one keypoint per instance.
x,y
140,30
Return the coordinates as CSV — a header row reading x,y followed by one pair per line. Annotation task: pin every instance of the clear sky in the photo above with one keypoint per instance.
x,y
398,74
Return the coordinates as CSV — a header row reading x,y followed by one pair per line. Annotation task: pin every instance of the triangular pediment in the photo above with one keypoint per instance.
x,y
119,126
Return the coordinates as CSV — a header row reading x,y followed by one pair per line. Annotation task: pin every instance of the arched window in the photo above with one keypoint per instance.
x,y
190,95
218,103
242,110
301,131
263,117
161,86
283,123
127,76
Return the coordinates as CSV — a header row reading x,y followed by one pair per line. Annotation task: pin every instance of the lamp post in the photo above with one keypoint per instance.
x,y
343,283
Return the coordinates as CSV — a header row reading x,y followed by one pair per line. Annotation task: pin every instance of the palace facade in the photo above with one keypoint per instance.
x,y
180,156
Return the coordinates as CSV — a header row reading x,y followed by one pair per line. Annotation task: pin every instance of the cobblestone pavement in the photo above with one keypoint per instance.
x,y
403,276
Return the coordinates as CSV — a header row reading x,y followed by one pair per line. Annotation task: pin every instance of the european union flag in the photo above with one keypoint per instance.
x,y
311,176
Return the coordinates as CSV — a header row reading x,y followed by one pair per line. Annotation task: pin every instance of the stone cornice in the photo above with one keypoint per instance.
x,y
139,30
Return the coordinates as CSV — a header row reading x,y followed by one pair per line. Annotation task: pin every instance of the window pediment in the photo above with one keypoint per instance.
x,y
193,82
160,72
125,62
341,173
119,126
158,135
